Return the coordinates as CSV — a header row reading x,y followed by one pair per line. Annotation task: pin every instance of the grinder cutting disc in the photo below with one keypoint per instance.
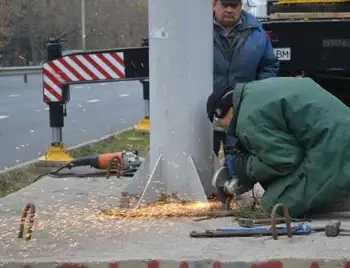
x,y
221,176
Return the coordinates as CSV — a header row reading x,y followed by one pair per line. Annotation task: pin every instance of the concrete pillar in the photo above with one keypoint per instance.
x,y
181,161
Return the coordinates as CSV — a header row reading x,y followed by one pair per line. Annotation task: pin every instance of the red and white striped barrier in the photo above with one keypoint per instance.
x,y
100,66
288,263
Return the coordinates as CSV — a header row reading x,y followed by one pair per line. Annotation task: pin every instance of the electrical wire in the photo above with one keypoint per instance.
x,y
51,172
56,173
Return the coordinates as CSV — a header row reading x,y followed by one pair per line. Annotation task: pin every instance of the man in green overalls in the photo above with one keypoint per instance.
x,y
293,137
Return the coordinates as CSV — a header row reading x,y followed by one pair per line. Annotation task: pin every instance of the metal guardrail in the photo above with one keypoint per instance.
x,y
21,70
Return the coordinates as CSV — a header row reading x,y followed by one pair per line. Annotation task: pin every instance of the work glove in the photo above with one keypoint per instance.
x,y
236,159
233,146
240,187
219,102
245,181
241,164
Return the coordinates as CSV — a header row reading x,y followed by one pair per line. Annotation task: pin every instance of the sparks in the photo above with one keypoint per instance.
x,y
162,210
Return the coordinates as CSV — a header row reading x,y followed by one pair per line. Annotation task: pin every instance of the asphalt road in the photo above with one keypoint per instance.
x,y
94,110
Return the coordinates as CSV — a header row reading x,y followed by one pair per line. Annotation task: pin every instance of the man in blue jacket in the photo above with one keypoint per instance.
x,y
242,53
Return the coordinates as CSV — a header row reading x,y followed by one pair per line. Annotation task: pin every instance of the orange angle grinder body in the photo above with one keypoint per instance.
x,y
127,160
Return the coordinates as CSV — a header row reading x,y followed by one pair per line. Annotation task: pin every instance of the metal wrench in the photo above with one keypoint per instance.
x,y
248,232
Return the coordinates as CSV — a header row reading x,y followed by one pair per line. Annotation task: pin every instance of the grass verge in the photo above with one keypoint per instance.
x,y
16,179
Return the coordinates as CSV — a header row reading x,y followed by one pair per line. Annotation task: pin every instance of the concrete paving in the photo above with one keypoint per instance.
x,y
69,228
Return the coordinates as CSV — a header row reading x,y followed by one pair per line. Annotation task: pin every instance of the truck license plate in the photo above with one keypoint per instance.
x,y
282,54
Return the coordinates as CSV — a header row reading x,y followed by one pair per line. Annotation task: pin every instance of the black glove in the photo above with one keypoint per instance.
x,y
233,146
241,187
240,155
241,168
239,146
218,103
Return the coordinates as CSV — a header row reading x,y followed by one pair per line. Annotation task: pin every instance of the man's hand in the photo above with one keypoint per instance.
x,y
241,165
236,160
240,187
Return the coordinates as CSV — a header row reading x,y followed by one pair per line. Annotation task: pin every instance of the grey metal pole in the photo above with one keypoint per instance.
x,y
83,30
56,135
181,160
147,102
147,109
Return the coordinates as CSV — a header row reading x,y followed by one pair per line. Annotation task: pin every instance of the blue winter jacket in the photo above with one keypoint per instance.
x,y
249,58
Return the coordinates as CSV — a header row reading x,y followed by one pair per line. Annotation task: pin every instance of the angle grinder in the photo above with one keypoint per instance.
x,y
224,185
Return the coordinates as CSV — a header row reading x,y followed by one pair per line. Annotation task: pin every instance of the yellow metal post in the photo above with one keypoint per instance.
x,y
56,154
144,124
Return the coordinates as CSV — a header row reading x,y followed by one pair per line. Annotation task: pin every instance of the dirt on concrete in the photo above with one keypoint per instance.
x,y
69,227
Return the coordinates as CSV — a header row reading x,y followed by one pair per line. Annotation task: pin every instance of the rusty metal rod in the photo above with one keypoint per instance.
x,y
31,208
111,162
274,220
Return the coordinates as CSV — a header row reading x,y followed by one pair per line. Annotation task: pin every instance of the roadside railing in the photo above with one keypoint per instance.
x,y
21,70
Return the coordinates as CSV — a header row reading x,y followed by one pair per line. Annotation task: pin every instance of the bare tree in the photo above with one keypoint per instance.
x,y
44,19
26,25
118,23
9,14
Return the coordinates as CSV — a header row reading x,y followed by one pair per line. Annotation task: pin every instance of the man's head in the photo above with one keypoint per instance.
x,y
220,102
224,108
227,12
220,105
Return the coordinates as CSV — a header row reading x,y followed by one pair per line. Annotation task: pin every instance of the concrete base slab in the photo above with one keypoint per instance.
x,y
70,229
149,183
290,263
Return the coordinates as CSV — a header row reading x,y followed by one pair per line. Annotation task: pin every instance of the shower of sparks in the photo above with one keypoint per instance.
x,y
163,210
57,220
76,225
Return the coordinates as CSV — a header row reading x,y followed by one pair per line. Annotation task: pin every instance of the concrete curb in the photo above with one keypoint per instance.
x,y
90,142
282,263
